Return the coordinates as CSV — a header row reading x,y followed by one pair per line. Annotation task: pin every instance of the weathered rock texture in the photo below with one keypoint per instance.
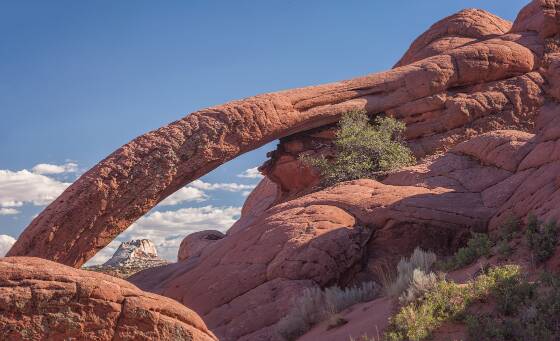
x,y
43,300
480,100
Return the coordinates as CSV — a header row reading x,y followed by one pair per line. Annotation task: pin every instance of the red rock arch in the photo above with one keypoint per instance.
x,y
113,194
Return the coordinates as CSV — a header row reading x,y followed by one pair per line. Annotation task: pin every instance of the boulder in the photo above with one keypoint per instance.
x,y
195,243
43,300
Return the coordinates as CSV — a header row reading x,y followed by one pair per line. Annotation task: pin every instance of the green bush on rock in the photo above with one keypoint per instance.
x,y
363,149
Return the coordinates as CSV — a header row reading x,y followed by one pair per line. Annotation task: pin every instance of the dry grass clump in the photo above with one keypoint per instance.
x,y
415,269
316,305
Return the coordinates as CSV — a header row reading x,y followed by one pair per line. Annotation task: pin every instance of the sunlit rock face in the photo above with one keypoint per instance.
x,y
480,99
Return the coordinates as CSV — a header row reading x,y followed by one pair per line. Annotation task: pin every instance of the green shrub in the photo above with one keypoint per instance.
x,y
534,317
363,150
416,321
503,248
511,293
444,302
541,238
479,245
509,228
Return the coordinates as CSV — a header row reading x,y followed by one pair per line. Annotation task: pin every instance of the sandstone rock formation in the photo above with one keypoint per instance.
x,y
43,300
481,103
483,85
130,258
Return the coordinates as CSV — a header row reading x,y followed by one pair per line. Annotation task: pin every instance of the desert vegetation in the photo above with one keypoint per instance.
x,y
316,305
542,238
477,246
524,311
518,308
413,276
447,301
363,149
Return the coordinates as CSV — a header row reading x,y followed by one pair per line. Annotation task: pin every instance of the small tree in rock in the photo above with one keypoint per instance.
x,y
363,149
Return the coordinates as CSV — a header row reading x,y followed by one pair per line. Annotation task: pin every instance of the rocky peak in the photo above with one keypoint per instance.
x,y
133,251
130,258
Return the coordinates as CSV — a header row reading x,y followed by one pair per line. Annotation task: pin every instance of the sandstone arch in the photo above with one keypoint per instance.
x,y
446,85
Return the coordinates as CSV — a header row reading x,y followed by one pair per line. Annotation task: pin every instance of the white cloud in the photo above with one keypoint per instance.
x,y
168,228
6,243
45,168
230,187
251,173
18,188
8,211
185,194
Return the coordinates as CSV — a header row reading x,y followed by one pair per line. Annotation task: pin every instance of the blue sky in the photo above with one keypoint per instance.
x,y
79,79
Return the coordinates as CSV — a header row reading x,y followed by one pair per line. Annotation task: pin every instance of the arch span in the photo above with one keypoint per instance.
x,y
121,188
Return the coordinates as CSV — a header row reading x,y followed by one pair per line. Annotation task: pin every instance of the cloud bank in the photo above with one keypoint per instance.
x,y
251,173
230,187
46,168
185,194
165,227
8,211
6,243
168,228
24,187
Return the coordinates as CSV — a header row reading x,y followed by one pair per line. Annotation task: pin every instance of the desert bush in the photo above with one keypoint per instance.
x,y
478,245
307,310
338,299
503,248
542,238
419,260
509,229
445,301
316,305
535,317
363,150
421,283
511,294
